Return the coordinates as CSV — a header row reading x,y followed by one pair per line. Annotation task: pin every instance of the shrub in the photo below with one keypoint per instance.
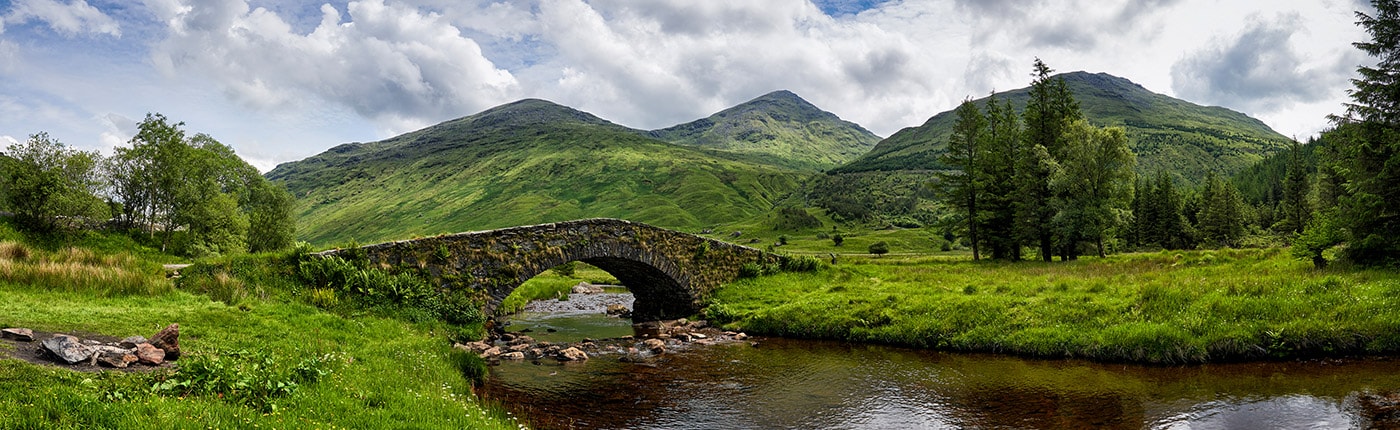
x,y
750,270
254,379
879,248
802,263
838,239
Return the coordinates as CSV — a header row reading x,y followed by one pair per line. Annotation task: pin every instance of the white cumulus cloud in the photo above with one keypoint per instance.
x,y
70,19
389,62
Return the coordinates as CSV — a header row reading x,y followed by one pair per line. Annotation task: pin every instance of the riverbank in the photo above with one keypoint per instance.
x,y
1170,307
254,353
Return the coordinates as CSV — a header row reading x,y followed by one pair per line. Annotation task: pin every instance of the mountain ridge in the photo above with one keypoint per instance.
x,y
1168,134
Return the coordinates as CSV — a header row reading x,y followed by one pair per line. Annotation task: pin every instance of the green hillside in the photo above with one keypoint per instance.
x,y
527,162
1185,139
778,128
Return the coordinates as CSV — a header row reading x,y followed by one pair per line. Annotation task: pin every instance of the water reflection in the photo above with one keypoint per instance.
x,y
803,384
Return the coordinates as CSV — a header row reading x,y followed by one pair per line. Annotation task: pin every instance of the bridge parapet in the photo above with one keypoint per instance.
x,y
671,273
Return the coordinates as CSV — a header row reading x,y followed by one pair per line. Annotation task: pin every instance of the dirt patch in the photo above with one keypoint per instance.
x,y
33,353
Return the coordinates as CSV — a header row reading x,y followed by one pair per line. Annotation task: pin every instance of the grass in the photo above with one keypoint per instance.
x,y
283,363
552,284
1168,307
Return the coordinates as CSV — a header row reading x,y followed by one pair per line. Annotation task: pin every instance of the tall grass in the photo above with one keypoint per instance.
x,y
79,270
1168,307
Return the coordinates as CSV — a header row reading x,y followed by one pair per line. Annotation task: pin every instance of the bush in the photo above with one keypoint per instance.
x,y
254,379
802,263
879,248
838,239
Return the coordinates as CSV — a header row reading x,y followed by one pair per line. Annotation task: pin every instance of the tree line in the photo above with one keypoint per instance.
x,y
1047,181
190,194
1044,180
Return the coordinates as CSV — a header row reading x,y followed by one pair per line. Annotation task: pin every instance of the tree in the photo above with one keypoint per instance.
x,y
1369,144
1221,220
1093,184
168,182
1002,147
44,180
879,248
1296,212
1050,107
837,239
959,184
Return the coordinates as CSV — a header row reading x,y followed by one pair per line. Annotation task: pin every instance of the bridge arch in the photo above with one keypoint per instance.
x,y
671,273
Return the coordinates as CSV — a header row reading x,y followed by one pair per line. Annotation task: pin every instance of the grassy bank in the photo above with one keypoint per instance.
x,y
256,357
1167,307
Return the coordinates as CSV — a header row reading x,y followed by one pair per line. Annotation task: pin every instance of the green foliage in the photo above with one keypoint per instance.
x,y
1166,307
407,294
255,379
1221,221
801,263
837,239
1093,184
567,270
795,219
879,248
42,181
168,181
959,185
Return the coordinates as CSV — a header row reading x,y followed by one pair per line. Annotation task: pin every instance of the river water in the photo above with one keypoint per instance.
x,y
784,383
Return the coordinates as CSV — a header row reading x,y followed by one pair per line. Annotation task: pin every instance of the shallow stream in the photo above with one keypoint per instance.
x,y
783,383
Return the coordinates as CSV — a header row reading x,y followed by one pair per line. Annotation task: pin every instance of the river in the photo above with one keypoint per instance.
x,y
783,383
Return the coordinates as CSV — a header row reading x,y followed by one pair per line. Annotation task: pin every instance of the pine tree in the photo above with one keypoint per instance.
x,y
1050,107
1002,149
1369,152
1294,207
959,185
1221,220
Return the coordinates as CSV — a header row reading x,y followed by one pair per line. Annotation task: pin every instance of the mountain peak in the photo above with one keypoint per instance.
x,y
780,128
532,111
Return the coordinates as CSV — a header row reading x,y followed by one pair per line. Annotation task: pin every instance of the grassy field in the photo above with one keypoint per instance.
x,y
256,357
1167,307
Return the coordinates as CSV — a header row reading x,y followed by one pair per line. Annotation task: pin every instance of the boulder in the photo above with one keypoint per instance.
x,y
20,334
118,358
616,309
474,347
131,342
572,354
740,336
523,340
67,348
149,354
519,347
168,340
491,352
656,346
586,288
513,356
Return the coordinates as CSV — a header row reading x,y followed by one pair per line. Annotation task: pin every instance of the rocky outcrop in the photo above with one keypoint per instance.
x,y
586,288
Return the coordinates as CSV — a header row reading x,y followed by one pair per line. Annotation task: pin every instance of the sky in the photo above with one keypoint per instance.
x,y
282,80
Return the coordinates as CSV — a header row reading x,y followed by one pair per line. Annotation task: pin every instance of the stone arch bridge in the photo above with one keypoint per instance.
x,y
671,273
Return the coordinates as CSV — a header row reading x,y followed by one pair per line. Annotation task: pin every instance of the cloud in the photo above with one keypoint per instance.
x,y
392,63
77,17
1259,70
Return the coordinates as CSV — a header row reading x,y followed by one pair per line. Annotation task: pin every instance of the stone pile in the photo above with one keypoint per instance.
x,y
654,338
72,350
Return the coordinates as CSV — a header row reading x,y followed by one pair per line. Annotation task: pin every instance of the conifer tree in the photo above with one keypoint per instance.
x,y
1051,106
1002,148
959,184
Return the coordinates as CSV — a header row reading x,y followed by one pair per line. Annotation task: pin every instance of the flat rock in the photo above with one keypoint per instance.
x,y
67,348
586,288
168,340
20,334
131,342
513,356
491,352
149,354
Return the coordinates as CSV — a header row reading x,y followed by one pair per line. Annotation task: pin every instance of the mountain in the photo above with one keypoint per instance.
x,y
1167,134
526,162
777,128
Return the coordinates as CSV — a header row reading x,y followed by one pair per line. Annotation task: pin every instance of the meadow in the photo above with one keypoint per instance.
x,y
257,356
1166,307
